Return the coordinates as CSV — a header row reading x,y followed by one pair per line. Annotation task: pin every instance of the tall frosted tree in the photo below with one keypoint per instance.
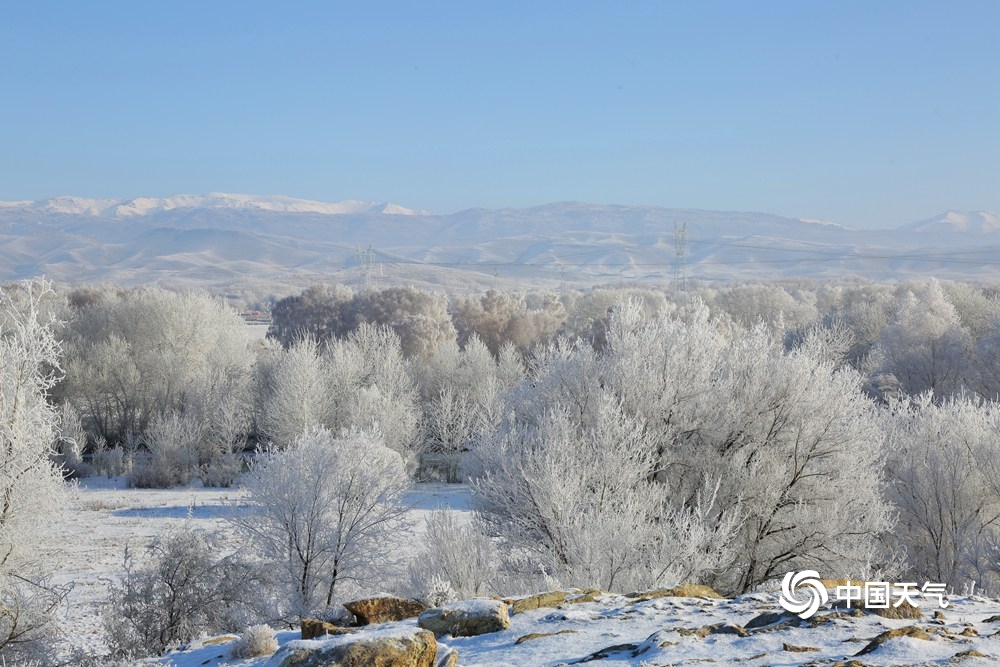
x,y
459,395
499,317
31,490
325,512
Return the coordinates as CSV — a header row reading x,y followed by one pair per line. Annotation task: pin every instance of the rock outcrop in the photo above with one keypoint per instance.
x,y
401,648
384,609
466,619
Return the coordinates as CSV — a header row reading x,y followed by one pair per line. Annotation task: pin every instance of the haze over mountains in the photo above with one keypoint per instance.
x,y
220,239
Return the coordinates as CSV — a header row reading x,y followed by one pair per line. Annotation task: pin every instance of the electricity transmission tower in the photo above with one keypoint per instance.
x,y
365,259
680,250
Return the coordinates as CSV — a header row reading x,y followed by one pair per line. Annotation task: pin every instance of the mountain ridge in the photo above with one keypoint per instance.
x,y
139,206
222,239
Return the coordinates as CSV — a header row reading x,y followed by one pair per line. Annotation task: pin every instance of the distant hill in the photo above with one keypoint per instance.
x,y
224,239
973,222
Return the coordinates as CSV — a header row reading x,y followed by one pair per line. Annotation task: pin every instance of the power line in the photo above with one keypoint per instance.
x,y
680,261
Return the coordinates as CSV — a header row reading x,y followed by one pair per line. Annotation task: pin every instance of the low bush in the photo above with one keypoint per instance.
x,y
183,589
256,641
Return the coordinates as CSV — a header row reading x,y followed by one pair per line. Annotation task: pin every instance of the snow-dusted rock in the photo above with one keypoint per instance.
x,y
447,657
909,631
682,591
312,628
384,609
389,647
467,618
549,599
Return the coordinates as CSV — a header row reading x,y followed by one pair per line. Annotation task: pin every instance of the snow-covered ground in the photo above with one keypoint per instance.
x,y
654,632
108,516
615,630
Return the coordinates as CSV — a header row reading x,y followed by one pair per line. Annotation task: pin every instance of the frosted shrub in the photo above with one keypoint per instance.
x,y
28,616
256,641
184,588
70,441
457,560
778,431
579,504
109,462
221,470
439,593
172,454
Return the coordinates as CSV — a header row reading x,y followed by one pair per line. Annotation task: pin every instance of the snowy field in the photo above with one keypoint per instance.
x,y
111,517
613,630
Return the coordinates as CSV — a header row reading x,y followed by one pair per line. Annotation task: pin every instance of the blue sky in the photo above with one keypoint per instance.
x,y
871,113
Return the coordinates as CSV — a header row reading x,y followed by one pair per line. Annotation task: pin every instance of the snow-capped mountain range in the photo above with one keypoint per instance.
x,y
227,239
121,208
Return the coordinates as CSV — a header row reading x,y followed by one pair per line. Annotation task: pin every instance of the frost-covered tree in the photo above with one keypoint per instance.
x,y
134,356
985,369
768,303
501,317
832,342
578,502
298,397
31,490
371,386
945,482
978,310
720,422
357,382
321,312
588,313
790,436
420,319
925,347
459,396
326,513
